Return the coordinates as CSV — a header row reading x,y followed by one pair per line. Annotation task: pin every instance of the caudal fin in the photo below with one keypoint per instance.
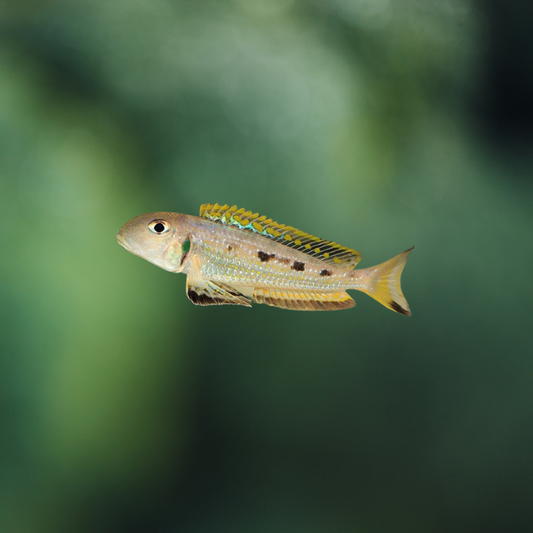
x,y
384,284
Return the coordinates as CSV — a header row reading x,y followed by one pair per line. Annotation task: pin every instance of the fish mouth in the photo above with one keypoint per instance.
x,y
123,241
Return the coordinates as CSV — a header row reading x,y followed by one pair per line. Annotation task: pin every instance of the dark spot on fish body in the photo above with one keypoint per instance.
x,y
230,248
398,308
325,272
264,256
298,265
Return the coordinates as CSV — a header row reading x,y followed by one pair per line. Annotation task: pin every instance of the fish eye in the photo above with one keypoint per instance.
x,y
159,227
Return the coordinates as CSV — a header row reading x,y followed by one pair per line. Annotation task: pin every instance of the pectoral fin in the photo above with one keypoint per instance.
x,y
201,291
303,300
205,292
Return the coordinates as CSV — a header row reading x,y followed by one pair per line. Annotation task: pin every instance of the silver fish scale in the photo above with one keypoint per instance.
x,y
219,265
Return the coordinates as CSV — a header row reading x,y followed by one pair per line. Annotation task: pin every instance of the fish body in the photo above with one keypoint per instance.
x,y
233,256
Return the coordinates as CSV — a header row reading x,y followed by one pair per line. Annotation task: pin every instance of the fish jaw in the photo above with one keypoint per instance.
x,y
123,241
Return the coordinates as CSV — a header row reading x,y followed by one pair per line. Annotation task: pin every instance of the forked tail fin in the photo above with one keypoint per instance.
x,y
384,284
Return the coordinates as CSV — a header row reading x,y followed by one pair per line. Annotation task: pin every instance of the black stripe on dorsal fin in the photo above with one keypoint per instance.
x,y
328,251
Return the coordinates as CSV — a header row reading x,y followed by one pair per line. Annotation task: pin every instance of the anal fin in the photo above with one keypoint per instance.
x,y
303,300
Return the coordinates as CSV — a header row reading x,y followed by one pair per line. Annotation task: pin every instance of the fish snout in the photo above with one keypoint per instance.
x,y
121,239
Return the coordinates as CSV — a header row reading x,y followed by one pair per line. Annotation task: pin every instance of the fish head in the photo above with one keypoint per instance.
x,y
159,238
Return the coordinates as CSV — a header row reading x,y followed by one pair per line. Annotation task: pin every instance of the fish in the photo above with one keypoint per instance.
x,y
234,256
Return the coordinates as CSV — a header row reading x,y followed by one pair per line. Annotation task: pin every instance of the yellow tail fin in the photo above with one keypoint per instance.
x,y
384,284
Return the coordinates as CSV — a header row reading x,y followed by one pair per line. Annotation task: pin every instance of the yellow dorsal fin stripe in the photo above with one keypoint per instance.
x,y
328,251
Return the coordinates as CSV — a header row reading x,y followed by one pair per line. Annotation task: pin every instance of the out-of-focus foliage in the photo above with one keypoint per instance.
x,y
375,123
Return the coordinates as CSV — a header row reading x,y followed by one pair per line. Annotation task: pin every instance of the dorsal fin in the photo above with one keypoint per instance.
x,y
328,251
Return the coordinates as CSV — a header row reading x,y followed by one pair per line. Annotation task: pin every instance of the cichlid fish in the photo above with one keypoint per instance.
x,y
234,256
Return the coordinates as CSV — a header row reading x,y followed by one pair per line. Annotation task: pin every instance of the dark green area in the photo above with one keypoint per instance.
x,y
378,124
185,247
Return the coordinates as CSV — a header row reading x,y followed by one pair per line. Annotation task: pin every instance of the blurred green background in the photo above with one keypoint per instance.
x,y
379,124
